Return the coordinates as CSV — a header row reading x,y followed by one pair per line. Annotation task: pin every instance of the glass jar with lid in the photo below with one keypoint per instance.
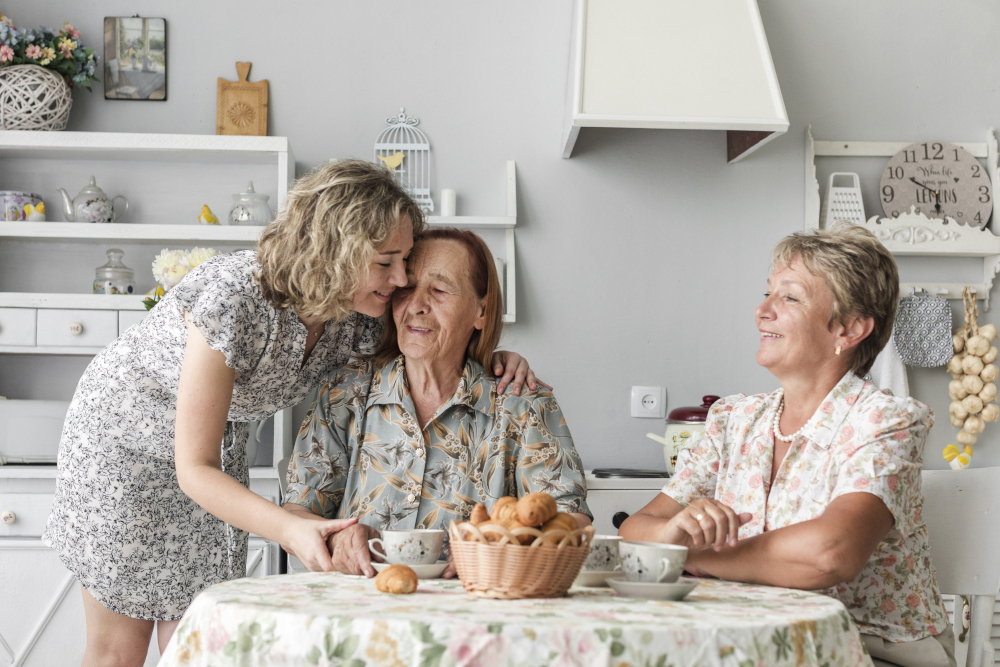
x,y
114,277
250,208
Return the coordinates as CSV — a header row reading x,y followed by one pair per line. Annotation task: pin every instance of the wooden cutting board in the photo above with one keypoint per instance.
x,y
241,106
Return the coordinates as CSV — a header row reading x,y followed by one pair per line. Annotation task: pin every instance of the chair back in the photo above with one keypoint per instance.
x,y
962,514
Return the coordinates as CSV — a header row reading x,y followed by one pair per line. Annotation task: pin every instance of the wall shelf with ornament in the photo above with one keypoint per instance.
x,y
913,233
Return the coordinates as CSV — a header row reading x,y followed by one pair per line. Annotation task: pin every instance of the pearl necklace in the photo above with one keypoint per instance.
x,y
777,420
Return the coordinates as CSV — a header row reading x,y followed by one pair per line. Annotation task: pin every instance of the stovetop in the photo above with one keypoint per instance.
x,y
634,473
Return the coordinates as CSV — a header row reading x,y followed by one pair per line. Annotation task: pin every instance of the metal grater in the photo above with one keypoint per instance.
x,y
843,199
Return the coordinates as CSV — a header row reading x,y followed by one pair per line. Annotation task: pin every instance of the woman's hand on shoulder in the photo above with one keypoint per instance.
x,y
512,369
704,523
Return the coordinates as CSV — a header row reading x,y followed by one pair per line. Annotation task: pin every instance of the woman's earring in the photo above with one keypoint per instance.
x,y
837,351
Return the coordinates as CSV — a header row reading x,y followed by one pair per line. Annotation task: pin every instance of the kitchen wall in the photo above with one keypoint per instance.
x,y
642,258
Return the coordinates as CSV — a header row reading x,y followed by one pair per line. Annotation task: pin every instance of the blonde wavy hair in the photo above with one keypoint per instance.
x,y
861,274
315,255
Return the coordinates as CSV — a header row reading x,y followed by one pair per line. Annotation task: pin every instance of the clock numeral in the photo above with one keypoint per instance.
x,y
895,214
984,194
936,146
975,171
956,154
909,156
896,173
978,218
888,194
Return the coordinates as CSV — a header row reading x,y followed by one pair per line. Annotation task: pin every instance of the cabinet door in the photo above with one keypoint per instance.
x,y
41,618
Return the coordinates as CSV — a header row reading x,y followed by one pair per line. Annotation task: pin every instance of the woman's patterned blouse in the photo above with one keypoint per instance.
x,y
860,440
360,452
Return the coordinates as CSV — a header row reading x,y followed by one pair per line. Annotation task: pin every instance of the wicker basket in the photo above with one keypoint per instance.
x,y
33,98
508,570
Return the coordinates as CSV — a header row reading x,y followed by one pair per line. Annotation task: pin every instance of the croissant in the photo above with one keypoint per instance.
x,y
396,579
498,507
479,514
561,522
535,509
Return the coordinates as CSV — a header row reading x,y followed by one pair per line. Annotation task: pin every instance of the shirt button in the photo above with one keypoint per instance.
x,y
420,452
410,498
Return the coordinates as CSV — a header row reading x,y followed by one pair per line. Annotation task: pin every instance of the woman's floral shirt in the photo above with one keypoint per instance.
x,y
360,452
860,440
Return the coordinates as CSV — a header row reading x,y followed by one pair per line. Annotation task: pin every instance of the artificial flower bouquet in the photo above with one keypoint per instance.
x,y
170,267
62,51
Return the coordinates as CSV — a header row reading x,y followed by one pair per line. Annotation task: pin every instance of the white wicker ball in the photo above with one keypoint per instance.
x,y
33,98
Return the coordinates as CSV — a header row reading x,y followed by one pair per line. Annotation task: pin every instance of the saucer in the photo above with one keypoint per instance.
x,y
432,571
595,578
651,590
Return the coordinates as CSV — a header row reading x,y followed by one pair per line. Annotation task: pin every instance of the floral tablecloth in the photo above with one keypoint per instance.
x,y
335,619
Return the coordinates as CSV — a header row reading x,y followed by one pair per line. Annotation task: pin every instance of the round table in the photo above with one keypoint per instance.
x,y
335,619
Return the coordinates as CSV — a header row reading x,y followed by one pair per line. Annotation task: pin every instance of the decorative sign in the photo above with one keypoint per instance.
x,y
241,107
937,179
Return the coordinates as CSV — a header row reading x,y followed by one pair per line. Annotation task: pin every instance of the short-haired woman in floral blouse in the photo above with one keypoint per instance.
x,y
817,485
415,436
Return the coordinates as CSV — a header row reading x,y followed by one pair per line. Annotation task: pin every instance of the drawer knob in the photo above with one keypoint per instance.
x,y
76,328
8,517
618,519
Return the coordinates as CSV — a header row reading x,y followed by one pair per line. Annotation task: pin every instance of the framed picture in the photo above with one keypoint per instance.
x,y
135,58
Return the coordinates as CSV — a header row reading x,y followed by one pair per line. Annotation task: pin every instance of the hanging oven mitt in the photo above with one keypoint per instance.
x,y
922,332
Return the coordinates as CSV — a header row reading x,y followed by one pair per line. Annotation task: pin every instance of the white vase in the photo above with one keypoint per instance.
x,y
33,98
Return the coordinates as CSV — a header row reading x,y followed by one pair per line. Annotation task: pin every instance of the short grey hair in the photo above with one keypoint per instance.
x,y
861,275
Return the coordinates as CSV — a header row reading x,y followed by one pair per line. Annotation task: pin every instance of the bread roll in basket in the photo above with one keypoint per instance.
x,y
492,562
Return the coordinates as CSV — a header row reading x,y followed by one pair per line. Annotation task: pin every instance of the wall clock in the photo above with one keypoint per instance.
x,y
938,179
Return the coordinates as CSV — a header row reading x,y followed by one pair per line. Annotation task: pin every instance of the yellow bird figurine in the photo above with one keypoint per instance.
x,y
34,213
393,161
207,216
957,459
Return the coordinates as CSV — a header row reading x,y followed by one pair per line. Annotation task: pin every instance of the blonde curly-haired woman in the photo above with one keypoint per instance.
x,y
149,509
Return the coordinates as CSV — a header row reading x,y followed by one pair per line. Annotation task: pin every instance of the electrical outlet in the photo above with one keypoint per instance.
x,y
650,402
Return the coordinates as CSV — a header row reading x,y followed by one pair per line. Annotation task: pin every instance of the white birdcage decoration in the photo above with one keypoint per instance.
x,y
406,152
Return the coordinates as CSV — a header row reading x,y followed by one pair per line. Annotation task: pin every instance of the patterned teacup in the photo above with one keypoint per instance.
x,y
603,556
409,547
652,561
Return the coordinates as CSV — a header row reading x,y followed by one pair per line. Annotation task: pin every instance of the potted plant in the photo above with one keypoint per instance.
x,y
37,70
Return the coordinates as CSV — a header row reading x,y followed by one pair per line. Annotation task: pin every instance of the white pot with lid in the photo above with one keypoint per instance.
x,y
685,428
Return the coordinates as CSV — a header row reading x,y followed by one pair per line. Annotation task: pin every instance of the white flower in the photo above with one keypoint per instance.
x,y
196,256
169,267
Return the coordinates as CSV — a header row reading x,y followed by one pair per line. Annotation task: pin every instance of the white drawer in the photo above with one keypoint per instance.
x,y
17,326
31,511
76,328
129,318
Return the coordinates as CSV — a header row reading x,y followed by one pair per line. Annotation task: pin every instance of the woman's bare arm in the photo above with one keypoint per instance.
x,y
203,399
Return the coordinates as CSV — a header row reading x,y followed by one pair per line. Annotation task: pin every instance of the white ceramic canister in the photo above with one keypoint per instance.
x,y
685,427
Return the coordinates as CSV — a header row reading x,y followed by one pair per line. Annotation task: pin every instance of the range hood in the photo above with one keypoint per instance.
x,y
674,64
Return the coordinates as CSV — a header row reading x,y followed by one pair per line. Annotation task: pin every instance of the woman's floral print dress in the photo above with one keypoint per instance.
x,y
119,521
360,452
860,440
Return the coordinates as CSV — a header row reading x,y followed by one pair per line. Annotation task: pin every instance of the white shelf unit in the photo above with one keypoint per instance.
x,y
914,234
508,223
83,153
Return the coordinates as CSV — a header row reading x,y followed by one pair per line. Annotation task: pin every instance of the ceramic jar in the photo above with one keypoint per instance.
x,y
685,427
20,206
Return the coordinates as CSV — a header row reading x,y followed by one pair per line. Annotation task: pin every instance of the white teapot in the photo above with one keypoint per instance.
x,y
92,205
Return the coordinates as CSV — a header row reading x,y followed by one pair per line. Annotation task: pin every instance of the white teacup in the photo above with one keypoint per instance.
x,y
652,561
603,556
409,547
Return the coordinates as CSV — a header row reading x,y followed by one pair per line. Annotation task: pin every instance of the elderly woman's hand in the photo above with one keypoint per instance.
x,y
306,540
514,367
704,523
349,550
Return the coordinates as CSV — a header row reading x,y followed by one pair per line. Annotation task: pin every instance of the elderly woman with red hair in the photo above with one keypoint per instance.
x,y
416,435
